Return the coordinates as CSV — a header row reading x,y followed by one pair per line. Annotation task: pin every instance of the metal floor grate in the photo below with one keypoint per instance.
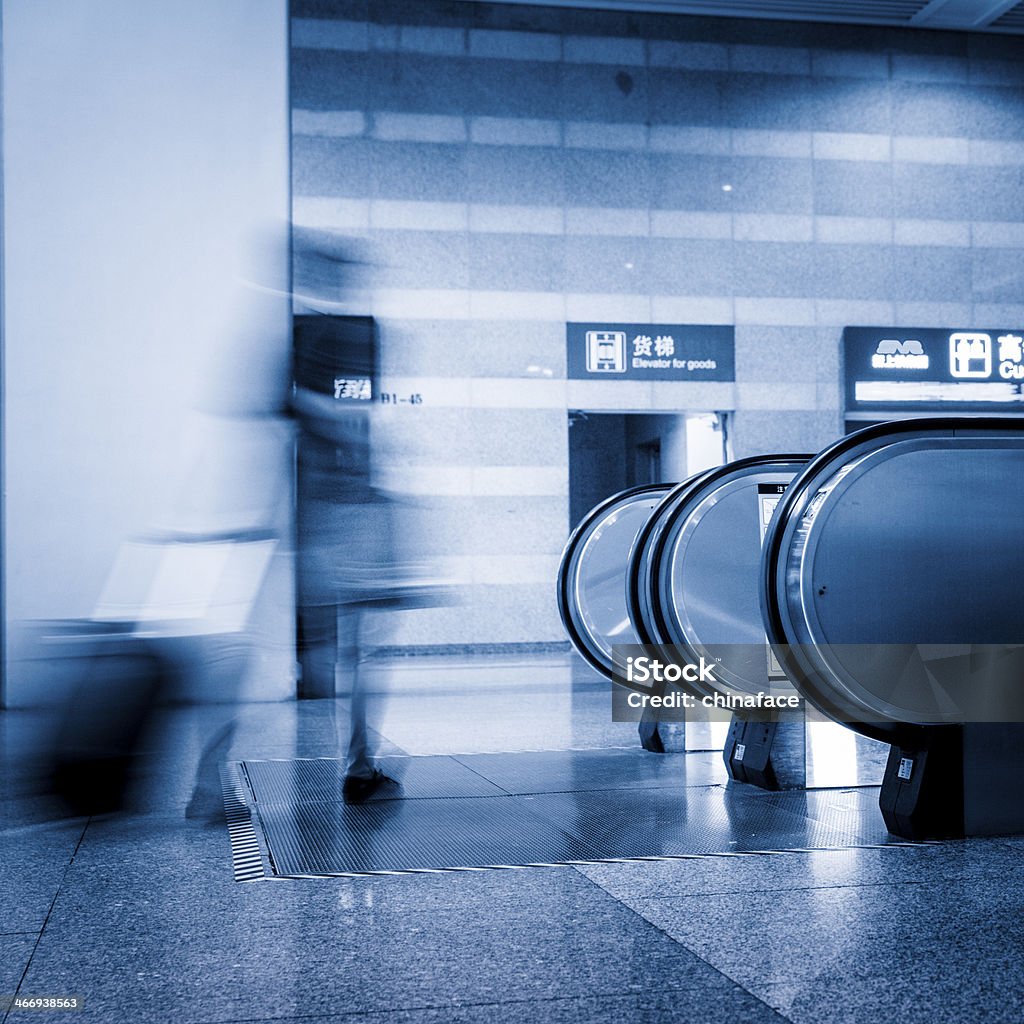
x,y
479,811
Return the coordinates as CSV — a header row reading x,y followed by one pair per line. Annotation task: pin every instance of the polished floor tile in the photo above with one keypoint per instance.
x,y
15,951
33,862
732,1006
819,869
911,952
222,951
139,912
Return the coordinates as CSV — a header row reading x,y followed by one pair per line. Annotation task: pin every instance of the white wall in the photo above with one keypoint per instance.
x,y
145,149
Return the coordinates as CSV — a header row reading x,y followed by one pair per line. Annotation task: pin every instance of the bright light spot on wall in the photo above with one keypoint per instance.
x,y
727,188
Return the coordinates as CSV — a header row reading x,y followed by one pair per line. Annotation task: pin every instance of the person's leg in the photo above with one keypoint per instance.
x,y
357,760
362,777
207,800
318,650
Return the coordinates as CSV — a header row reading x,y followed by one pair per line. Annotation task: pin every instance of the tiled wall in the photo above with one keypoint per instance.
x,y
514,168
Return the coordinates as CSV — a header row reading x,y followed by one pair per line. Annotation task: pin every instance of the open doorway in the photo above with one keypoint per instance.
x,y
609,452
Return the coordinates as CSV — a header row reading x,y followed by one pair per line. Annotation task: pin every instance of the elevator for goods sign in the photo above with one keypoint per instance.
x,y
692,352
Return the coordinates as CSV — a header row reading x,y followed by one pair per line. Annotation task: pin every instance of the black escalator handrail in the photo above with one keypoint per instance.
x,y
683,507
789,514
568,554
634,567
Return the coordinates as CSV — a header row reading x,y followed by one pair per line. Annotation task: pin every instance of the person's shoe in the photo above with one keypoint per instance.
x,y
358,789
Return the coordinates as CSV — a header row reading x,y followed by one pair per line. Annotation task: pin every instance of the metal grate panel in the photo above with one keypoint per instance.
x,y
1012,20
436,823
319,780
853,813
660,823
246,852
558,771
404,835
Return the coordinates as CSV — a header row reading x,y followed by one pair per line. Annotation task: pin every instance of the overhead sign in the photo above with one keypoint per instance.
x,y
336,355
694,352
933,370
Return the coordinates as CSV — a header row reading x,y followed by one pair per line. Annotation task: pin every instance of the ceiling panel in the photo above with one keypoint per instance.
x,y
1003,16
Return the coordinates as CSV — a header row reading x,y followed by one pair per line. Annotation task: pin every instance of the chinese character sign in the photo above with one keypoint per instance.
x,y
359,388
931,369
690,352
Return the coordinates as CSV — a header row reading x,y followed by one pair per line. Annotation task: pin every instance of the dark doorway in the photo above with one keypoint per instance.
x,y
609,452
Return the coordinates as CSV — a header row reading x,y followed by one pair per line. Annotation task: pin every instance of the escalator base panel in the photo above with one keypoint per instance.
x,y
489,811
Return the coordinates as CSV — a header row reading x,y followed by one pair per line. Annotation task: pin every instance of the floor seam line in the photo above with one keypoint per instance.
x,y
794,888
49,912
693,952
479,775
461,1005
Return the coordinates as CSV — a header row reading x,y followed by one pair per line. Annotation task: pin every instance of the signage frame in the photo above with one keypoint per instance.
x,y
694,353
930,371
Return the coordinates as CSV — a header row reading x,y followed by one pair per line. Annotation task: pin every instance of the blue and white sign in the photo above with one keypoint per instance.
x,y
693,352
930,369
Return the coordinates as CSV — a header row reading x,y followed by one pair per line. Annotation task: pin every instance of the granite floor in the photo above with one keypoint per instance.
x,y
139,914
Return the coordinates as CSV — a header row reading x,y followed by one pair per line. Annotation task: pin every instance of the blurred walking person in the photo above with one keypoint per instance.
x,y
347,570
